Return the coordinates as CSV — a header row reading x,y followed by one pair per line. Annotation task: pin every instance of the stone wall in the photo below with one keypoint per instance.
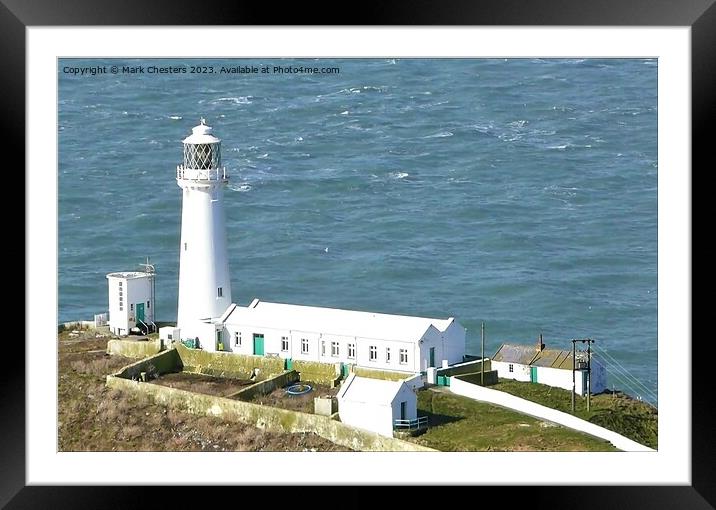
x,y
313,371
264,417
228,364
385,375
134,348
164,362
469,367
490,377
267,386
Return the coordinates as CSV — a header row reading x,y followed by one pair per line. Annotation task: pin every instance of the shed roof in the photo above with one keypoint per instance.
x,y
515,353
554,358
369,391
335,321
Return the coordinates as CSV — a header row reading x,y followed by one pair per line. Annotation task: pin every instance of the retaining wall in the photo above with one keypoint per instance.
x,y
264,417
164,362
521,405
267,386
385,375
134,348
313,371
467,367
228,364
490,377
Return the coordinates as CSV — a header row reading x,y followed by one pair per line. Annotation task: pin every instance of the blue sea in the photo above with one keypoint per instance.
x,y
518,192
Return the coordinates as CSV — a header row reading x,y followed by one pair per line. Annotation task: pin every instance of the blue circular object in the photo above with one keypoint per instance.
x,y
298,389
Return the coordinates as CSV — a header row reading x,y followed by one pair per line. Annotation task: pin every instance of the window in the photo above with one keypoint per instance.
x,y
304,345
120,292
131,307
511,368
373,353
284,343
334,349
184,246
219,292
120,284
237,338
387,354
169,336
351,351
403,356
323,347
147,304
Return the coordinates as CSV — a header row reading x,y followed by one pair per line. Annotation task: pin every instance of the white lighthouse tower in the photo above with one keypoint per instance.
x,y
204,282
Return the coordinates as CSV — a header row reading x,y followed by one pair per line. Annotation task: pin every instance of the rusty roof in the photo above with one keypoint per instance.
x,y
515,353
554,358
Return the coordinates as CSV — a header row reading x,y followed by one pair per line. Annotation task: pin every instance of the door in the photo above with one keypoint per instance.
x,y
140,312
432,357
258,344
403,410
533,374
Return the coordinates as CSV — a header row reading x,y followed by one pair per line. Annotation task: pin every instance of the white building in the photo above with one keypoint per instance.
x,y
553,367
330,335
131,301
375,405
205,311
204,281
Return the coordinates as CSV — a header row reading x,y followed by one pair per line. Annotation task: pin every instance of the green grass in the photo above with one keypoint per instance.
x,y
631,418
461,424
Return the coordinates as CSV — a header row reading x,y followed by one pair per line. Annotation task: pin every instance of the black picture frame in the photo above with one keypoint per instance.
x,y
700,15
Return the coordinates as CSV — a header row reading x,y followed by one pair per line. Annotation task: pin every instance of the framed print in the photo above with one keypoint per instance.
x,y
350,195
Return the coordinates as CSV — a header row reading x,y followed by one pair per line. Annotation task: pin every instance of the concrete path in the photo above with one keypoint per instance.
x,y
521,405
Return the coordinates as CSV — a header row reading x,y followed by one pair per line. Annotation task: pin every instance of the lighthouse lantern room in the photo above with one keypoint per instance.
x,y
204,281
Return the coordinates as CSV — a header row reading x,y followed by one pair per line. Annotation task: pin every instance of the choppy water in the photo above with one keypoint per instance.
x,y
520,192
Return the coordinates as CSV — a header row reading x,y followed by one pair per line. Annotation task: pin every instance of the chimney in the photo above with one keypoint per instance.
x,y
540,344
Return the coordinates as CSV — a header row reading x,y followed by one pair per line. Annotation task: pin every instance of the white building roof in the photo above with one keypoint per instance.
x,y
334,321
369,391
127,275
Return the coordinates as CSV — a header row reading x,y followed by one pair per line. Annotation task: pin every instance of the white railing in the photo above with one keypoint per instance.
x,y
420,422
207,174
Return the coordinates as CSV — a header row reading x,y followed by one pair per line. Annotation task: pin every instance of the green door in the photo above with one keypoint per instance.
x,y
345,370
533,374
140,312
258,344
432,357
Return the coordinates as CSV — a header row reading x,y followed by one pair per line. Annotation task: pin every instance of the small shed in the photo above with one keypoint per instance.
x,y
131,302
512,361
375,404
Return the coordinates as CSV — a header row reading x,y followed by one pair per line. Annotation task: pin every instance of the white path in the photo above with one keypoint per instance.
x,y
521,405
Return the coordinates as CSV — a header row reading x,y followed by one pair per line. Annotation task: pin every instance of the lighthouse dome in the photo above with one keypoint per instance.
x,y
201,134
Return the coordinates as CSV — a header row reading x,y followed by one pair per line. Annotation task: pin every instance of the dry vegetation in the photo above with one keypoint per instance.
x,y
301,403
198,383
92,417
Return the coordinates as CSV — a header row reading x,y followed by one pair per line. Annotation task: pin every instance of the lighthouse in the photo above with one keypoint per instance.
x,y
204,281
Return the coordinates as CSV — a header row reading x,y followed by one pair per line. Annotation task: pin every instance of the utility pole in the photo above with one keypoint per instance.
x,y
574,366
589,370
482,363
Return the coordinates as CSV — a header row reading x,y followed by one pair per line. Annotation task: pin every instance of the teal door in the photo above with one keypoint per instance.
x,y
432,357
403,410
140,312
533,374
258,344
